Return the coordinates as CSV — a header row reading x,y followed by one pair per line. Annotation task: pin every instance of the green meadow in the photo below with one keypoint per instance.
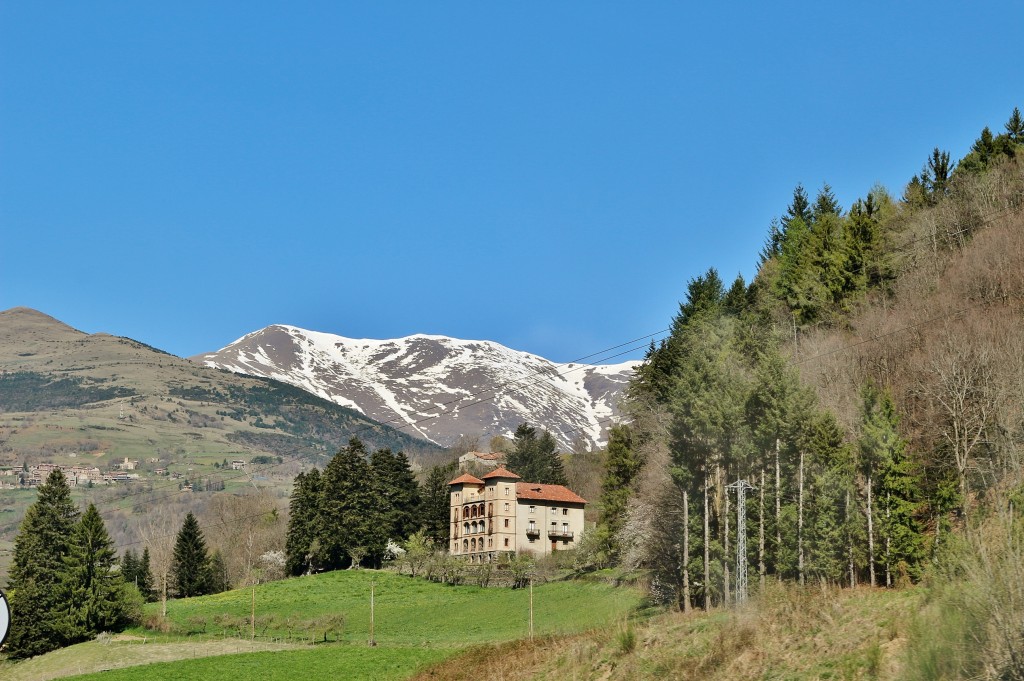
x,y
407,611
319,627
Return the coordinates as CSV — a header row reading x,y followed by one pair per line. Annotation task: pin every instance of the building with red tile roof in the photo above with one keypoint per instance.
x,y
501,513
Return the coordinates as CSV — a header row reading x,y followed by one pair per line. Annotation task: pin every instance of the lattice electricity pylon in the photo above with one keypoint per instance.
x,y
741,487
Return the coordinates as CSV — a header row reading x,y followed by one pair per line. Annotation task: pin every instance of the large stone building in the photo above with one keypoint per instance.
x,y
502,514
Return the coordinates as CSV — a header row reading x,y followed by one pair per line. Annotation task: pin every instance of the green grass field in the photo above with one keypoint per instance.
x,y
330,662
416,623
407,611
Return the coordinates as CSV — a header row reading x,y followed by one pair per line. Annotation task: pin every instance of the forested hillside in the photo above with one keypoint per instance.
x,y
867,384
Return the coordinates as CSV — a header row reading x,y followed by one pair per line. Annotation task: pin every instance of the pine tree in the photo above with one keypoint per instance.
x,y
92,586
190,568
144,577
935,175
219,580
348,510
772,243
899,489
302,522
799,209
734,302
129,567
621,468
397,493
825,204
1015,127
536,459
38,572
435,503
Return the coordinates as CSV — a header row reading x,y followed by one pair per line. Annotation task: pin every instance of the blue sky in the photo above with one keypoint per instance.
x,y
546,175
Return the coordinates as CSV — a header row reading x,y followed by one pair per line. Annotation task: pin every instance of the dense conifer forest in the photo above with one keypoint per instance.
x,y
866,384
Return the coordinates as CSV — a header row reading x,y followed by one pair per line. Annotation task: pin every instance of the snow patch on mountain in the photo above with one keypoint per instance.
x,y
436,387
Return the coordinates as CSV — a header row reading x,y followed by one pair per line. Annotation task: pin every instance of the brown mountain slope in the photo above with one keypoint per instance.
x,y
63,388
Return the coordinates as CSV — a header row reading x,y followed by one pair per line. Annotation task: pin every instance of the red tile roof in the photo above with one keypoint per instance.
x,y
502,472
534,490
466,478
488,457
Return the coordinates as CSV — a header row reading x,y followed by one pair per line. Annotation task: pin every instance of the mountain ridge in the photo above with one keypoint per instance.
x,y
436,387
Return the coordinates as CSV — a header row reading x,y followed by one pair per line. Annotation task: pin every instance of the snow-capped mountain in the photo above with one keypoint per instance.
x,y
471,387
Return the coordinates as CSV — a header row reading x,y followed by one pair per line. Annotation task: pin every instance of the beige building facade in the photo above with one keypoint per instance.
x,y
499,513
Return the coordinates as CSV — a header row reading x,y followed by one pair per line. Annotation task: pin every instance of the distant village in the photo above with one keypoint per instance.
x,y
33,475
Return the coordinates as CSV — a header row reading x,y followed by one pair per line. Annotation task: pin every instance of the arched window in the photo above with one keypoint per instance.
x,y
465,545
465,528
472,545
481,509
483,525
506,542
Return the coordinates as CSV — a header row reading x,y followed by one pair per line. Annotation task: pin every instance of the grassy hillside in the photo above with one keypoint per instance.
x,y
408,611
790,633
415,622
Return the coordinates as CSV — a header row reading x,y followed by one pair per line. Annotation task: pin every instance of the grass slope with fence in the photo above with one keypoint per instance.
x,y
320,624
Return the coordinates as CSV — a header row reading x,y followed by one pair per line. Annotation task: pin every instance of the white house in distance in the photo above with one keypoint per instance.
x,y
502,514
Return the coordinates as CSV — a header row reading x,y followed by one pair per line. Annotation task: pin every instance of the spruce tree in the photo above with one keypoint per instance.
x,y
302,522
348,515
536,459
899,490
190,567
219,579
799,209
92,586
621,468
1015,127
825,204
129,567
398,494
144,577
38,572
435,503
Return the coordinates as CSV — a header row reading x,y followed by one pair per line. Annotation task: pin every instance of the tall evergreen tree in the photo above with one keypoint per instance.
x,y
772,243
621,468
190,567
303,510
1015,127
536,459
219,580
935,175
38,572
129,566
798,209
435,500
825,204
348,515
92,586
397,493
144,577
899,487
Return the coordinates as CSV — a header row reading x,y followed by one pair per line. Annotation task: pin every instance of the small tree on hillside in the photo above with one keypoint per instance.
x,y
190,568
